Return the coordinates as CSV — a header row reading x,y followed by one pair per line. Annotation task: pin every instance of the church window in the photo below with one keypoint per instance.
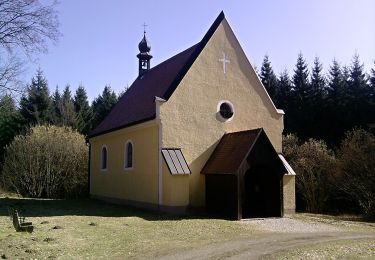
x,y
104,158
225,111
129,155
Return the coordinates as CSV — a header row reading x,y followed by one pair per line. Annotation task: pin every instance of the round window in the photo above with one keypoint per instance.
x,y
225,111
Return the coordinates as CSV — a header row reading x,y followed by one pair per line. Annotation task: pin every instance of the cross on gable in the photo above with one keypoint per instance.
x,y
224,60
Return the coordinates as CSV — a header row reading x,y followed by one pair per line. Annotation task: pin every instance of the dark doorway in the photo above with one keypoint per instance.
x,y
262,193
221,195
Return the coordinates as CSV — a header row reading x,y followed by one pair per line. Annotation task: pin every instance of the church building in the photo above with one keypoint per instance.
x,y
197,131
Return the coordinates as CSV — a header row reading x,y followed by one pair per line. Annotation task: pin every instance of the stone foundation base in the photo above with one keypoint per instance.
x,y
289,211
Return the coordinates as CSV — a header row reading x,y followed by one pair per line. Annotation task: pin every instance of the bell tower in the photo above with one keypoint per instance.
x,y
144,55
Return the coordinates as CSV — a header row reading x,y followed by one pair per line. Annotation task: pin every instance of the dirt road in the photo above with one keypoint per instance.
x,y
264,245
282,234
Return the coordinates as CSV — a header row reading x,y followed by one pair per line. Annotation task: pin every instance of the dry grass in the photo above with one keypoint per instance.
x,y
90,229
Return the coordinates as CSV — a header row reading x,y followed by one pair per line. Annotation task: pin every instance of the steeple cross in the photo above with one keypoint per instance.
x,y
144,27
224,60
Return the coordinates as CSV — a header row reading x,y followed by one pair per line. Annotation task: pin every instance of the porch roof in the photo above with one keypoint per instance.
x,y
234,148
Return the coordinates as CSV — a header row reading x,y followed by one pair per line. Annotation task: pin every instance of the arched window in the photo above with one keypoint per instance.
x,y
129,155
103,158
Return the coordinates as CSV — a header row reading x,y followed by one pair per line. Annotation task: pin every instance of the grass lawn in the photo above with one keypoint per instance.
x,y
91,229
76,229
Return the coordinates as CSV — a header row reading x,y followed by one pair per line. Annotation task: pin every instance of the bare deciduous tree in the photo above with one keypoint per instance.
x,y
314,164
357,169
26,26
10,69
49,161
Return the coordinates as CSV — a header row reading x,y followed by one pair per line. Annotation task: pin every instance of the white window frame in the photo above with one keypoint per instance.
x,y
219,116
101,158
126,155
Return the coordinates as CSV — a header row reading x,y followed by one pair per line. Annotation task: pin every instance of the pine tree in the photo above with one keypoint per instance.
x,y
335,103
36,107
316,101
357,78
84,114
269,78
299,110
372,78
68,114
103,104
284,89
336,108
56,113
335,91
284,101
10,122
301,81
345,91
359,93
338,89
317,83
372,95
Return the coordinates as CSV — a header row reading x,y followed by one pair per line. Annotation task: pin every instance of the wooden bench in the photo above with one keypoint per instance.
x,y
19,222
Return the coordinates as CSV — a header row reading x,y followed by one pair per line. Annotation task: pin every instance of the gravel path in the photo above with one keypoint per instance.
x,y
289,225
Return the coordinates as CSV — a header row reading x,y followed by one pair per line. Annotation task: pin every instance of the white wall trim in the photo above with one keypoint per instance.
x,y
158,102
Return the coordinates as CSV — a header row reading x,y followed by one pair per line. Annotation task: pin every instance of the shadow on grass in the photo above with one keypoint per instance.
x,y
82,207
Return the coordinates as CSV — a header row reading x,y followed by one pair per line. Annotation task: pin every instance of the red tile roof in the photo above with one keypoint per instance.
x,y
137,104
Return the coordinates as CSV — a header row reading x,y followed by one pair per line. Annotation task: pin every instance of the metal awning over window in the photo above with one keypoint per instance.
x,y
287,165
175,160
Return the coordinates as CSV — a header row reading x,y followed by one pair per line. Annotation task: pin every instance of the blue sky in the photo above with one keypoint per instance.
x,y
100,38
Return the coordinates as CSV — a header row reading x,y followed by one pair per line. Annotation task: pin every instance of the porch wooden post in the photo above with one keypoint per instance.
x,y
239,196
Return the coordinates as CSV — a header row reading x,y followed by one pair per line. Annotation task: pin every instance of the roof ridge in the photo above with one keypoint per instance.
x,y
169,59
156,67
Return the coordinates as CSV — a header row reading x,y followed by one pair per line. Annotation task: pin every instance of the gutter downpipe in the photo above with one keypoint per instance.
x,y
158,102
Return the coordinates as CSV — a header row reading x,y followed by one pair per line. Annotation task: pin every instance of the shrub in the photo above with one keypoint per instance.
x,y
48,161
357,169
314,164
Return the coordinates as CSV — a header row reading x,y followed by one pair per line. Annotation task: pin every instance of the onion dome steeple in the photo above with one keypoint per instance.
x,y
144,55
144,45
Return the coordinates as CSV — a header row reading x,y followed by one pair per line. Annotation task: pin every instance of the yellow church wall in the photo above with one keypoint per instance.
x,y
175,188
189,117
138,184
289,194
